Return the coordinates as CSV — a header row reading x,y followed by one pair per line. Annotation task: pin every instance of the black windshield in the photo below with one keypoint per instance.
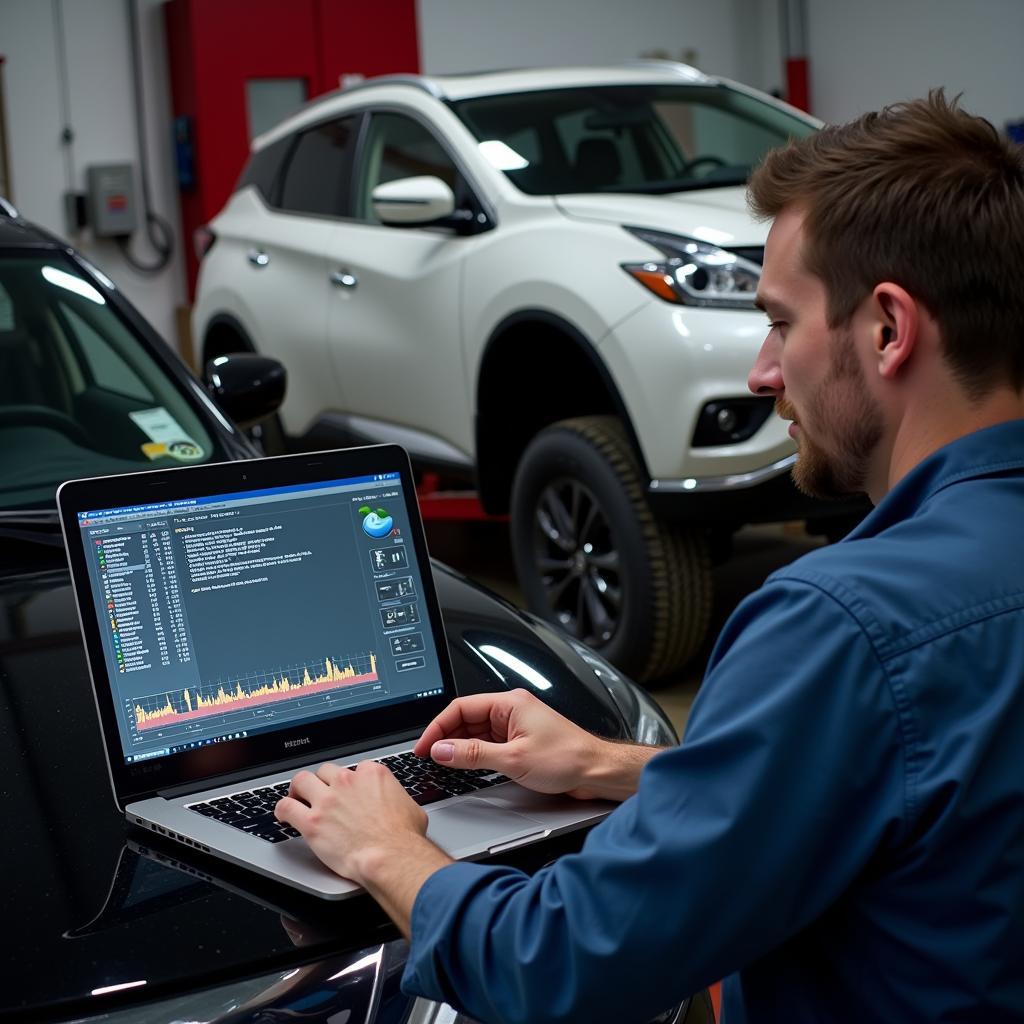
x,y
80,395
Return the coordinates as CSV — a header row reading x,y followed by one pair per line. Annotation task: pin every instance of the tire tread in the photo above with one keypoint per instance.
x,y
682,612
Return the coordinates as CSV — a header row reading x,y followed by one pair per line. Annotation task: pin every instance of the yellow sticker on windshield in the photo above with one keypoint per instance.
x,y
166,436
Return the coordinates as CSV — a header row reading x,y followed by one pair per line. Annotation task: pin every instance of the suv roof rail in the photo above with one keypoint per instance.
x,y
7,208
681,69
433,87
480,72
416,81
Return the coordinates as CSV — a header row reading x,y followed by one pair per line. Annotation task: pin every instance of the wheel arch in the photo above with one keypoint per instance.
x,y
514,401
224,334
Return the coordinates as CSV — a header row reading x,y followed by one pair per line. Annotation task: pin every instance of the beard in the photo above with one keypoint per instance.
x,y
833,463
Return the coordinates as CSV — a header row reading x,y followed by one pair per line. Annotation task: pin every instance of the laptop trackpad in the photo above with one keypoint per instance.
x,y
478,825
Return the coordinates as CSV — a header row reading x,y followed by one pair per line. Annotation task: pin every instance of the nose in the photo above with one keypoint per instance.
x,y
766,375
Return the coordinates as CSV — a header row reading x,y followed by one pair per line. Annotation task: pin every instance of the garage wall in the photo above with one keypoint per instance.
x,y
873,52
101,112
762,62
472,35
862,55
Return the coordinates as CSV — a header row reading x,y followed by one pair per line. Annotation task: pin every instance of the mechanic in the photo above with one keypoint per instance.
x,y
840,835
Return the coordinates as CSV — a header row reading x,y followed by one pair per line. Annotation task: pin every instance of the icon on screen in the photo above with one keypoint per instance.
x,y
377,522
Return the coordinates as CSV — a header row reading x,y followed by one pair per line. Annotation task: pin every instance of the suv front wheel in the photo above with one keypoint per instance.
x,y
592,558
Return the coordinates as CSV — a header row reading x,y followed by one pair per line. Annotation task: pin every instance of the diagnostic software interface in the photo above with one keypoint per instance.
x,y
229,615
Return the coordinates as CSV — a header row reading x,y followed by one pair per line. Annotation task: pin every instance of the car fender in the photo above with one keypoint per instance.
x,y
543,261
581,344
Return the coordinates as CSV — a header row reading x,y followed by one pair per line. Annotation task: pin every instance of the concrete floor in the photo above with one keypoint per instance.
x,y
481,551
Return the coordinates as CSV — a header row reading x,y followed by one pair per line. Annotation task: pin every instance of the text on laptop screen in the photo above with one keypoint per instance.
x,y
234,614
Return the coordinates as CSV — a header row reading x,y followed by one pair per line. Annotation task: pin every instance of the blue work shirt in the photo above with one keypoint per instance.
x,y
840,835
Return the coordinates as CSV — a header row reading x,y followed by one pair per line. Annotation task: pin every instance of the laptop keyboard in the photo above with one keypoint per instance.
x,y
252,810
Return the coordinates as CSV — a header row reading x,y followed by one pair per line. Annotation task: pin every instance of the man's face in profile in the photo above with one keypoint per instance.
x,y
814,371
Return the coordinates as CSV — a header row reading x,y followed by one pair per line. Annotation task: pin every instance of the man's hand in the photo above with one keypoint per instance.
x,y
520,736
364,826
345,814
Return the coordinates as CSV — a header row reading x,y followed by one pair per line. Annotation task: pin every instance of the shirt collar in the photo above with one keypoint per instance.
x,y
986,452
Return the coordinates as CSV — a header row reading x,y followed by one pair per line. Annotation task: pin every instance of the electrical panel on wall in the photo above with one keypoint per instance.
x,y
110,192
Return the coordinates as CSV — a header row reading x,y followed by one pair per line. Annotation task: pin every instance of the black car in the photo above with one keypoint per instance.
x,y
106,922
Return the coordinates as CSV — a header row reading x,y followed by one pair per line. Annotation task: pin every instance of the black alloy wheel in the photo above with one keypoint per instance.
x,y
580,567
591,557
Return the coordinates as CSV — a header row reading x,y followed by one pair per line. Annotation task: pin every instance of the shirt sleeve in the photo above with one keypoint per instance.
x,y
789,779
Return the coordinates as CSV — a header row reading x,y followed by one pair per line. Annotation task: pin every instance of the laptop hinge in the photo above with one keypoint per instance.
x,y
185,789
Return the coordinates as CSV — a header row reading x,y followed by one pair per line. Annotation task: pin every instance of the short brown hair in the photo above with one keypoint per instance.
x,y
924,195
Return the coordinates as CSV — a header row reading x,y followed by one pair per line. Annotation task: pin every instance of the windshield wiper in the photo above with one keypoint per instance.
x,y
38,526
666,187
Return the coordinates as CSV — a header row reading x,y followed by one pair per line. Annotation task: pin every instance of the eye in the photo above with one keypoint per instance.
x,y
776,325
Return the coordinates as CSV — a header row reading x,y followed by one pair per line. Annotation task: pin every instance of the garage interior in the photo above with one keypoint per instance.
x,y
160,87
125,126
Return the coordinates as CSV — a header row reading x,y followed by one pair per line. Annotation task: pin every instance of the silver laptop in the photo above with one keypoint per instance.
x,y
246,620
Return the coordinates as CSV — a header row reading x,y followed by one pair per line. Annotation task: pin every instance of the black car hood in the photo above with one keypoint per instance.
x,y
78,927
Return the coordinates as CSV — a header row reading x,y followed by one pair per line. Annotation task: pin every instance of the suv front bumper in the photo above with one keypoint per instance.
x,y
767,495
669,362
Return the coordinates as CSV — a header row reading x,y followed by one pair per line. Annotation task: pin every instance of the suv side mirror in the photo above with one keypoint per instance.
x,y
248,387
412,201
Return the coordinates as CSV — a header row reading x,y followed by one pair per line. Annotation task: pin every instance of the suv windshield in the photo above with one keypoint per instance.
x,y
637,138
79,394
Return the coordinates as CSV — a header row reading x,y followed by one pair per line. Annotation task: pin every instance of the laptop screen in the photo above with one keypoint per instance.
x,y
236,614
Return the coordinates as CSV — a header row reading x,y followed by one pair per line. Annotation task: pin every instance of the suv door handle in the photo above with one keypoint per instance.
x,y
343,278
257,257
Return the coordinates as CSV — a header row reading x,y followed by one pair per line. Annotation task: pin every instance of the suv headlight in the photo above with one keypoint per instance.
x,y
695,273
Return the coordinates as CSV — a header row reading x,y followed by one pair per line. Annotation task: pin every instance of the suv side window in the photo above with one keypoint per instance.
x,y
318,172
399,147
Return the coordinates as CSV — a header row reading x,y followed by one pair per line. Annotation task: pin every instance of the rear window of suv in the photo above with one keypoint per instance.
x,y
318,171
306,172
264,166
637,138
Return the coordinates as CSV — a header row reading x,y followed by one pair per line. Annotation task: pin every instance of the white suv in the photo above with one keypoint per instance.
x,y
543,280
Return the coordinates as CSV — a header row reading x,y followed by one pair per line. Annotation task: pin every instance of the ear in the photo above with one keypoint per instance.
x,y
895,328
